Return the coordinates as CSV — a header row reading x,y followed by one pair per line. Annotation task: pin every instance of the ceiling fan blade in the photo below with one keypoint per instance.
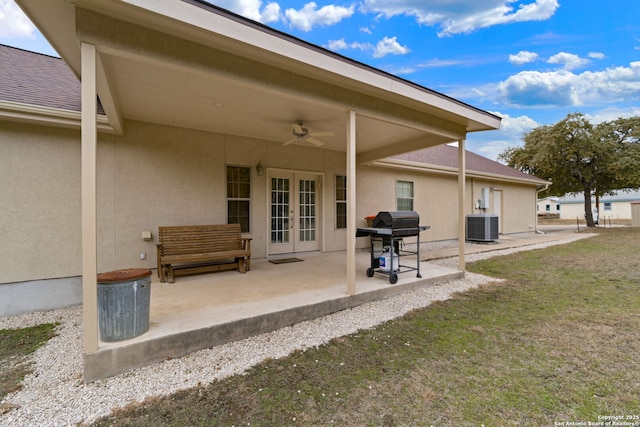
x,y
315,141
291,141
321,134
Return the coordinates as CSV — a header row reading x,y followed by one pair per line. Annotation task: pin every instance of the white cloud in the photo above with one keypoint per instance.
x,y
463,16
564,88
515,126
437,63
310,16
341,44
523,57
13,22
491,144
271,13
337,45
252,9
389,46
569,61
610,114
596,55
386,46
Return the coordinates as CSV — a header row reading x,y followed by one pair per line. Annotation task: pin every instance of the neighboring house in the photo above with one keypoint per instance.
x,y
611,207
548,206
188,114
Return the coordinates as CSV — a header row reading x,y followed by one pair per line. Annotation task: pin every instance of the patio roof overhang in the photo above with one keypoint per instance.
x,y
189,64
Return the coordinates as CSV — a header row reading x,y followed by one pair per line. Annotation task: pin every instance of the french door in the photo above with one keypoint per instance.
x,y
295,212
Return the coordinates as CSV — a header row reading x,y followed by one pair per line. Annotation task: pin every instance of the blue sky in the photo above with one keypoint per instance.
x,y
531,62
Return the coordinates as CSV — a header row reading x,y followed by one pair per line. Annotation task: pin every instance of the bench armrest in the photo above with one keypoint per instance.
x,y
246,243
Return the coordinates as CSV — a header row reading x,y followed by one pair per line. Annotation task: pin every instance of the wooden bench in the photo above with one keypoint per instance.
x,y
193,249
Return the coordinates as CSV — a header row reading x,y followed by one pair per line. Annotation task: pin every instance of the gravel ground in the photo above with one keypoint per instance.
x,y
54,395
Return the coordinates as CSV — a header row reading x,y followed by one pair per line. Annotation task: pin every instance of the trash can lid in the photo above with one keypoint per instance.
x,y
124,275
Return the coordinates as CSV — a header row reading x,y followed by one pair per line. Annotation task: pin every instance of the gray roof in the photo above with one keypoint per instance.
x,y
36,79
622,196
446,155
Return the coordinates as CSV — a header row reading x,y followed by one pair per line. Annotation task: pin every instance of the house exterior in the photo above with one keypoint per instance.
x,y
189,114
611,207
42,182
548,206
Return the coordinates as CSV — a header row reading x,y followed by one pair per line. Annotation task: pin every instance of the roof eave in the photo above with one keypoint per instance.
x,y
446,170
47,116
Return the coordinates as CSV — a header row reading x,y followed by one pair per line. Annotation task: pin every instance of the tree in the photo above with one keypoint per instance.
x,y
578,157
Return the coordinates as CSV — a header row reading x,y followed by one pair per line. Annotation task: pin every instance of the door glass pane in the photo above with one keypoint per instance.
x,y
307,220
279,210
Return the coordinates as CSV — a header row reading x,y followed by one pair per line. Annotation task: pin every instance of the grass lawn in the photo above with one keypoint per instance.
x,y
556,342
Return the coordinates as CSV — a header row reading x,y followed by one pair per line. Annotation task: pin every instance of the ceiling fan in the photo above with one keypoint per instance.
x,y
302,133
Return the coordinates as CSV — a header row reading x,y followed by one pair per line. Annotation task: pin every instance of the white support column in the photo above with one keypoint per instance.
x,y
462,177
89,211
351,203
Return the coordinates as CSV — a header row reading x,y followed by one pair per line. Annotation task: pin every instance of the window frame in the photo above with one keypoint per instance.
x,y
237,199
341,223
410,198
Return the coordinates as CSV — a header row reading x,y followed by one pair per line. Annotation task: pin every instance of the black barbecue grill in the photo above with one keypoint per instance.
x,y
387,233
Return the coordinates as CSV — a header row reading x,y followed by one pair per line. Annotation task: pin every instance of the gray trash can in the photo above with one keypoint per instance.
x,y
123,303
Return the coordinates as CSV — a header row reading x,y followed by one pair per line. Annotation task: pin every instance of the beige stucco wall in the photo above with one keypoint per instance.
x,y
172,176
619,210
161,175
516,209
40,202
152,176
436,202
572,211
434,199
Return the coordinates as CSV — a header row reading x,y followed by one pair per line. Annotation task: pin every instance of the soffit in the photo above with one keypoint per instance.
x,y
233,83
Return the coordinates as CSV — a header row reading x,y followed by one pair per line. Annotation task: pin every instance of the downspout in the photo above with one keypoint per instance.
x,y
538,191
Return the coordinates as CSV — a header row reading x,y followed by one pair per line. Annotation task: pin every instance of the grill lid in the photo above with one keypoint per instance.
x,y
396,220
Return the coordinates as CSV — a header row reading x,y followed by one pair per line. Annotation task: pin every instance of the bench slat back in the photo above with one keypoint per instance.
x,y
194,239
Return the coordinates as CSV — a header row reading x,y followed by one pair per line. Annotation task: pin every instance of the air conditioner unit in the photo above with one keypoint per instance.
x,y
482,227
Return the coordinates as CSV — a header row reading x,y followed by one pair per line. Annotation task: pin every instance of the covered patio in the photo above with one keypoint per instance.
x,y
206,310
188,89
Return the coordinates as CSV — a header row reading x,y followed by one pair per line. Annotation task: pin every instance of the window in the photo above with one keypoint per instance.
x,y
341,201
607,206
404,195
238,196
548,208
